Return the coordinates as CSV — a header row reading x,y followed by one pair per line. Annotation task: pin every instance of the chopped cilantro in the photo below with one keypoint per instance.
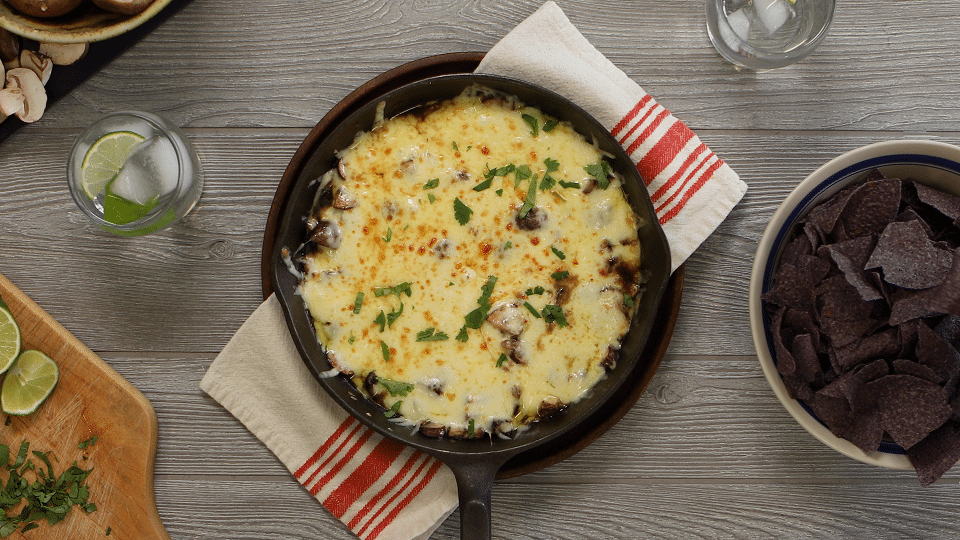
x,y
550,124
552,165
393,315
531,309
351,339
547,183
396,289
85,444
431,334
385,351
520,174
483,185
600,171
432,183
507,245
534,291
461,211
499,192
431,197
389,235
501,360
558,253
394,409
476,317
455,147
358,302
395,388
381,320
471,428
628,301
530,200
532,121
552,313
462,335
569,184
563,274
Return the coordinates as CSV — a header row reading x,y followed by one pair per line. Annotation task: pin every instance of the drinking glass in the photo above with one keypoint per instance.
x,y
767,34
134,173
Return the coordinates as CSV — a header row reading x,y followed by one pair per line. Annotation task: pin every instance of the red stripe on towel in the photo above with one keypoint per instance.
x,y
397,493
406,500
375,464
358,428
374,500
326,444
707,175
346,457
630,115
683,171
664,151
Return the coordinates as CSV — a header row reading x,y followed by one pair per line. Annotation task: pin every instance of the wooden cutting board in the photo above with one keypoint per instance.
x,y
90,399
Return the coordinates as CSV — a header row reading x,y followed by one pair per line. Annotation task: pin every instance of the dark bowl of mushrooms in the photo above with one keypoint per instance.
x,y
75,21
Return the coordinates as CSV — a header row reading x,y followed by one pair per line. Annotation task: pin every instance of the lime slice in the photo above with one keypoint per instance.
x,y
105,158
28,383
9,338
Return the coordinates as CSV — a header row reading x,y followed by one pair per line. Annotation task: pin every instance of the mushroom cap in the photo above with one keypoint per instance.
x,y
64,54
35,96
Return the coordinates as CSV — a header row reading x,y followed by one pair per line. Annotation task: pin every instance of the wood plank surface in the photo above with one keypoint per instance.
x,y
707,452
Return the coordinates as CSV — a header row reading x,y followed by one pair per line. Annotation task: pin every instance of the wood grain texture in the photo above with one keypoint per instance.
x,y
707,452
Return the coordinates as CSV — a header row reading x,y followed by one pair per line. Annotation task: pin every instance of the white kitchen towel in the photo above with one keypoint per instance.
x,y
378,488
692,189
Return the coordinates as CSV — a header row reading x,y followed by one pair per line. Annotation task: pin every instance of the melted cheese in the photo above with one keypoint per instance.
x,y
403,179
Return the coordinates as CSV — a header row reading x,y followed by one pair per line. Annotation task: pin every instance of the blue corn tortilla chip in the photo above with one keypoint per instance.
x,y
936,454
865,310
908,257
910,408
870,207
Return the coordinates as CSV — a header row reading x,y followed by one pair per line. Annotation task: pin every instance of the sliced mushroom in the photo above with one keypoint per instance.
x,y
344,199
64,54
11,101
38,63
432,429
327,234
549,407
34,95
534,219
509,318
45,8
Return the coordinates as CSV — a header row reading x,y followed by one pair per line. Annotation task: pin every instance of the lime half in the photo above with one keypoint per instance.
x,y
9,338
29,382
105,158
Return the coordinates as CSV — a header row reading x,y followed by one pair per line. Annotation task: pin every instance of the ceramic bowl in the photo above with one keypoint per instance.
x,y
85,24
933,163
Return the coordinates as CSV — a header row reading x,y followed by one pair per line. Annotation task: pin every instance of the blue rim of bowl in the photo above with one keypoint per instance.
x,y
806,204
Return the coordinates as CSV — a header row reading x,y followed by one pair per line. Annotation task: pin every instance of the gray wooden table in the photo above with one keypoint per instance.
x,y
707,452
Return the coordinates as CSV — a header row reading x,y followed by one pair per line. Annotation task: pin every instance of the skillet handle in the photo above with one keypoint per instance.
x,y
474,485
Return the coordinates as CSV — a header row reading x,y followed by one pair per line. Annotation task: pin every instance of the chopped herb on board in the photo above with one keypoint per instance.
x,y
87,443
49,497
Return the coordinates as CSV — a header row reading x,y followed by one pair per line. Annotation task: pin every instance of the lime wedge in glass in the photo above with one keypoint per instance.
x,y
122,204
28,383
9,338
105,158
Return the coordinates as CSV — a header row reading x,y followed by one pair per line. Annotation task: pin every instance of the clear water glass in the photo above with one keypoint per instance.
x,y
767,34
160,181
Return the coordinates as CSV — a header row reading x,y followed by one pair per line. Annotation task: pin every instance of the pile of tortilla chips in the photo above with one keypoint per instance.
x,y
865,318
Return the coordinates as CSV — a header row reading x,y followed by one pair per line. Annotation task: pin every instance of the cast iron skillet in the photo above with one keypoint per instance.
x,y
473,462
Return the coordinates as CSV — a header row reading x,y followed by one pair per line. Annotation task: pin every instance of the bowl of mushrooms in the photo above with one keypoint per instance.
x,y
75,21
24,72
